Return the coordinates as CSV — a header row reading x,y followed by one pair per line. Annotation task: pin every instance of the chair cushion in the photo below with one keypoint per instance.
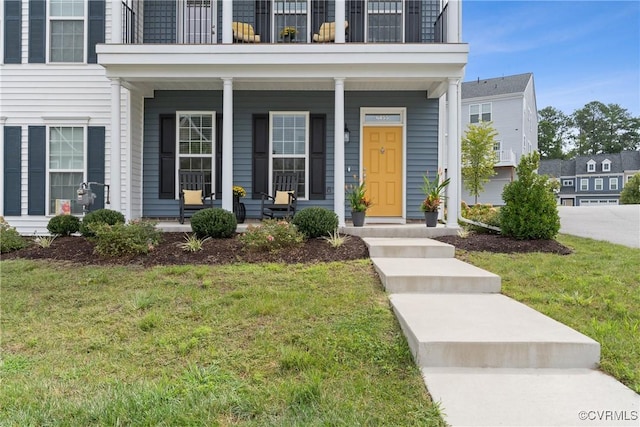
x,y
192,197
282,197
244,32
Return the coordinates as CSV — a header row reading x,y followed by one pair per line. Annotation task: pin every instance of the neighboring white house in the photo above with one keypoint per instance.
x,y
510,103
128,92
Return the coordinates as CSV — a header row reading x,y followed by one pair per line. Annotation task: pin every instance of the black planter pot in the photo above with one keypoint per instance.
x,y
358,218
431,218
239,210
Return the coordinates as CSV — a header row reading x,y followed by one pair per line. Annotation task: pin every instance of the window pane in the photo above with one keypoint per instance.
x,y
66,7
63,185
67,41
195,134
66,148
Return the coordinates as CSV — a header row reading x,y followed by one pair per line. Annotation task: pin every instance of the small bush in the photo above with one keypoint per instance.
x,y
10,239
137,237
335,239
45,241
315,222
271,235
214,222
63,225
101,216
192,243
630,194
484,213
530,211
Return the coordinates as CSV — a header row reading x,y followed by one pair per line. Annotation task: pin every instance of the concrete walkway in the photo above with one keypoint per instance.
x,y
488,359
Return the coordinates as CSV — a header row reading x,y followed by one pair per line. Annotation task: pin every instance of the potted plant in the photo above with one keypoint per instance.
x,y
238,208
433,190
356,194
288,33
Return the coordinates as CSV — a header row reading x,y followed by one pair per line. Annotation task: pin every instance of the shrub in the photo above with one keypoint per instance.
x,y
530,210
271,235
192,243
45,241
630,194
484,213
101,216
214,222
10,239
137,237
315,222
63,225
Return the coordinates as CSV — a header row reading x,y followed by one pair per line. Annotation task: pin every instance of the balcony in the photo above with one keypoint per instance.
x,y
505,158
200,22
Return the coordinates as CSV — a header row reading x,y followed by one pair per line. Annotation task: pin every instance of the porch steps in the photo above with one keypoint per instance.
x,y
383,247
399,230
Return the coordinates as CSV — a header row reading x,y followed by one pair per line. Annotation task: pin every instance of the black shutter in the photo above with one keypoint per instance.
x,y
12,170
12,32
412,21
319,15
37,169
37,31
95,163
263,20
317,157
167,156
260,169
219,166
96,29
355,15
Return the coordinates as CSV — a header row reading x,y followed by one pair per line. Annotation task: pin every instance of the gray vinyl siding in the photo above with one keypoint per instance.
x,y
422,137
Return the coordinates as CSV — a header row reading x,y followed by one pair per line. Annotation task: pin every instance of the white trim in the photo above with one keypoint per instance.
x,y
297,156
596,182
584,180
403,124
606,165
611,180
591,166
71,121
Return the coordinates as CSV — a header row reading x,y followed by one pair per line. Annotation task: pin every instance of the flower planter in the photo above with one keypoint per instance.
x,y
239,210
358,218
431,218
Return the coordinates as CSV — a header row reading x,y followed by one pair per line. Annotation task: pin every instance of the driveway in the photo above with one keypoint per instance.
x,y
616,223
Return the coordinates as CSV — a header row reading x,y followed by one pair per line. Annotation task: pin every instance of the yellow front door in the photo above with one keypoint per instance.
x,y
382,163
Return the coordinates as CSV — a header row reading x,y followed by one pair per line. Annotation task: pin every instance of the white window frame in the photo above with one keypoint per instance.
x,y
598,184
591,166
613,184
606,165
49,170
481,112
85,26
306,114
204,156
567,183
584,184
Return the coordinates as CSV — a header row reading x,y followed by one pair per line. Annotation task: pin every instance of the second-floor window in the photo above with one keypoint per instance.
x,y
384,21
613,183
480,112
66,30
584,184
599,184
291,14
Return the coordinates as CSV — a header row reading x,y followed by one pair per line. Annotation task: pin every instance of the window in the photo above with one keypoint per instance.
x,y
591,166
291,13
584,184
613,183
480,112
196,145
66,27
384,21
599,184
66,166
606,165
289,144
567,183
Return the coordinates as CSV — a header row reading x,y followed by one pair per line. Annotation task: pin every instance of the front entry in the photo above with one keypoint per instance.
x,y
382,163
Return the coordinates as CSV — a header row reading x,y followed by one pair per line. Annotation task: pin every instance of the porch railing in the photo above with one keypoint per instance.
x,y
284,21
505,157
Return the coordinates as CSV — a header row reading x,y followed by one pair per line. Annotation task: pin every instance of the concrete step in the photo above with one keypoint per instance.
x,y
435,275
532,397
488,331
399,230
386,247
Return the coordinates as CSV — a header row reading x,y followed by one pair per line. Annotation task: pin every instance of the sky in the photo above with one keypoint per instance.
x,y
578,51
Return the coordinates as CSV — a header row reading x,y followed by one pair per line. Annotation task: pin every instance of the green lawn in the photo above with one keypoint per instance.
x,y
595,290
198,345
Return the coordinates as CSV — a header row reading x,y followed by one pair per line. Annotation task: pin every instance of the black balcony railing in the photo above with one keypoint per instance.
x,y
284,21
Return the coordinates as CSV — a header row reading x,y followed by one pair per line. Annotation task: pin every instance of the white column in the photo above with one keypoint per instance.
x,y
227,144
116,21
338,165
453,161
340,18
116,148
453,22
227,18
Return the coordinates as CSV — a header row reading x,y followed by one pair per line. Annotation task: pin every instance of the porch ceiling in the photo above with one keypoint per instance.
x,y
274,67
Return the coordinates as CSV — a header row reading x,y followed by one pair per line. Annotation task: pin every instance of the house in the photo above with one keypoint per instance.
x,y
510,103
128,92
594,179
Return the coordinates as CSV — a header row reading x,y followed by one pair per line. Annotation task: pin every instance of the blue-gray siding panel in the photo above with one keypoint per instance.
x,y
422,134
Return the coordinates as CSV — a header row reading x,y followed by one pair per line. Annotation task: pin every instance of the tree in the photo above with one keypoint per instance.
x,y
478,157
553,133
530,210
630,194
601,128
